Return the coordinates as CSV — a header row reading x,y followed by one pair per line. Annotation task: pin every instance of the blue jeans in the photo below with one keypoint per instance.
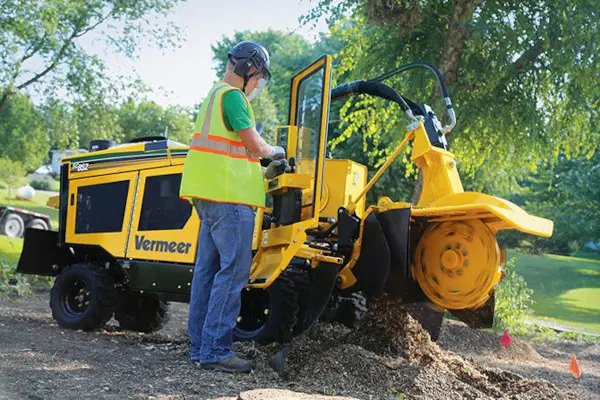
x,y
222,270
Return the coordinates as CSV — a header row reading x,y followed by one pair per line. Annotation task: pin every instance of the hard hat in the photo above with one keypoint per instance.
x,y
248,54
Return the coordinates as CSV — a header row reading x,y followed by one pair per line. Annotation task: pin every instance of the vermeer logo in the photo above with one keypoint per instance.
x,y
141,243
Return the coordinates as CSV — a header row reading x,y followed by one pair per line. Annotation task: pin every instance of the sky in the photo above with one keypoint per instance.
x,y
186,73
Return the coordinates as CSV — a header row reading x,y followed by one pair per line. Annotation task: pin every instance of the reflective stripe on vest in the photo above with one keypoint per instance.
x,y
218,166
205,141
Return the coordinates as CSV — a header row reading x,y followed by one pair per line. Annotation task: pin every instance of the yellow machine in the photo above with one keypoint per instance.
x,y
126,243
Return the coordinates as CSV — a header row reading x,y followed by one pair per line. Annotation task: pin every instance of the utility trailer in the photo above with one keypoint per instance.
x,y
14,221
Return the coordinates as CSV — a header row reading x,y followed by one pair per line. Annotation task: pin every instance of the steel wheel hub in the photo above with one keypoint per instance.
x,y
12,228
457,264
76,298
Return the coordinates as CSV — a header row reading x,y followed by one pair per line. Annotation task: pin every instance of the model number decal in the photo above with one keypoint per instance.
x,y
80,166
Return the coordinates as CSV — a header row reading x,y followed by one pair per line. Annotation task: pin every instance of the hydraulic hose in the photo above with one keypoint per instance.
x,y
441,84
375,89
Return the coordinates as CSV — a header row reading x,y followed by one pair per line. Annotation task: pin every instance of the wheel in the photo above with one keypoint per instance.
x,y
457,264
83,297
347,310
13,225
430,319
141,312
38,223
269,315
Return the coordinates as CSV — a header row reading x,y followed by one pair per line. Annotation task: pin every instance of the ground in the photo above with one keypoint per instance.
x,y
39,360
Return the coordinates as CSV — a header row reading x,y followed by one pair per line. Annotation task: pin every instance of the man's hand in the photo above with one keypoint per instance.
x,y
257,145
278,153
277,168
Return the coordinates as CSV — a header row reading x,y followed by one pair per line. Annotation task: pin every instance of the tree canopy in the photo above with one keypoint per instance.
x,y
41,43
522,75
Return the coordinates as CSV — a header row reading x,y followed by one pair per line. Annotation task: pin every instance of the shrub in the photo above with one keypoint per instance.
x,y
513,301
11,283
40,184
14,285
44,183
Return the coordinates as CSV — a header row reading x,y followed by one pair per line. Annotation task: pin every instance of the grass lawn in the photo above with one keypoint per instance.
x,y
566,289
37,204
10,250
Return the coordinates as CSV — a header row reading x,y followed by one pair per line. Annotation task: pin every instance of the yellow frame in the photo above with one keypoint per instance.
x,y
277,246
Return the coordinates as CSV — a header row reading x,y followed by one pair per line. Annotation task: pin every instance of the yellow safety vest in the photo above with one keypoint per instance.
x,y
218,167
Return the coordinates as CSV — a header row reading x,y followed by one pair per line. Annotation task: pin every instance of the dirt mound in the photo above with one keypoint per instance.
x,y
478,344
390,354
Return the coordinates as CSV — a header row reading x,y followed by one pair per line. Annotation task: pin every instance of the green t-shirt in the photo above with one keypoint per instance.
x,y
235,111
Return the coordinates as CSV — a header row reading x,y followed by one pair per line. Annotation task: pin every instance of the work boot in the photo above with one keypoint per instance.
x,y
231,365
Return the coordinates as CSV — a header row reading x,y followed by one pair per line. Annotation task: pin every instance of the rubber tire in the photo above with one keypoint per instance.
x,y
141,312
102,297
16,219
283,311
37,223
346,310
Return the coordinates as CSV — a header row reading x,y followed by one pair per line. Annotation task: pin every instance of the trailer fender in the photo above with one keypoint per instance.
x,y
497,213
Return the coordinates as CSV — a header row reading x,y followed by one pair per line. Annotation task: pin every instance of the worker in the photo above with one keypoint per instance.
x,y
222,177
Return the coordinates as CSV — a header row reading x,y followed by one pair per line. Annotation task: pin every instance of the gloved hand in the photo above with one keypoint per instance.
x,y
277,168
278,153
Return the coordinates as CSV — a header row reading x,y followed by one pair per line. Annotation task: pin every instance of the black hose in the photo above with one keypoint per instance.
x,y
406,67
369,87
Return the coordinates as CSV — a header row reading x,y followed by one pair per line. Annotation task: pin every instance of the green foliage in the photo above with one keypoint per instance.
x,y
11,173
44,183
265,112
71,125
395,394
567,191
22,136
15,285
41,43
525,85
150,119
543,334
11,283
289,54
513,301
40,184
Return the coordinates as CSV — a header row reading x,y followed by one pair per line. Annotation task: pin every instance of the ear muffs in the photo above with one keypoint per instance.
x,y
242,67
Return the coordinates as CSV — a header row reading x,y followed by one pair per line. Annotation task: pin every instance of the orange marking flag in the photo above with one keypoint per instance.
x,y
574,368
505,339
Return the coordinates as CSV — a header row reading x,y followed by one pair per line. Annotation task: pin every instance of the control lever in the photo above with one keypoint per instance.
x,y
292,164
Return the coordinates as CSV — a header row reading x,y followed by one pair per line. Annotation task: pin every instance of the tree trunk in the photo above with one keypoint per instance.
x,y
4,101
462,15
